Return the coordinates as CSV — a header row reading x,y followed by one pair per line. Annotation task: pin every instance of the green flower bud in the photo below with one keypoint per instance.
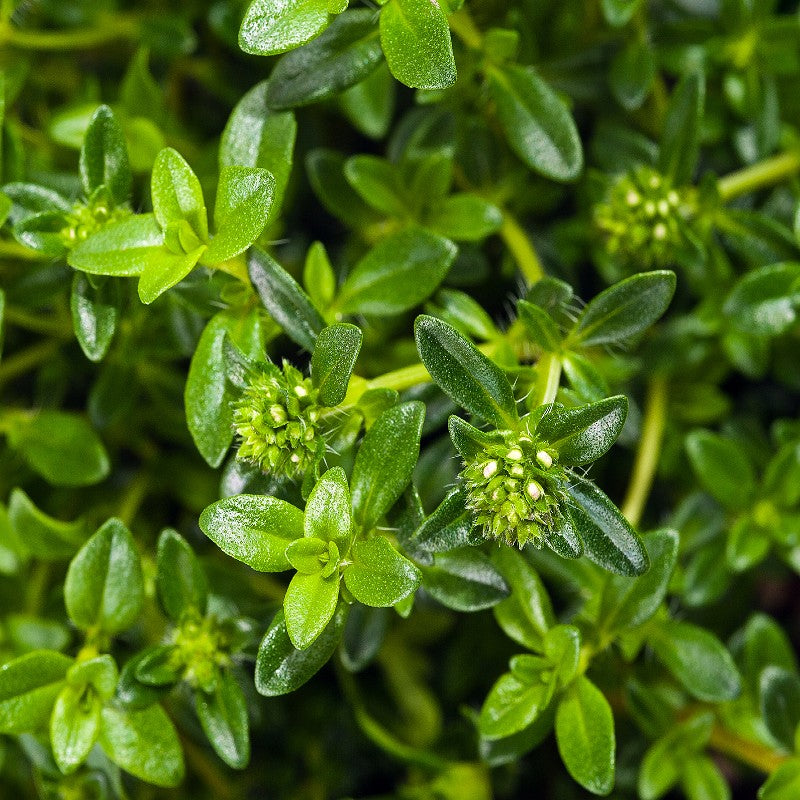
x,y
642,220
515,490
276,422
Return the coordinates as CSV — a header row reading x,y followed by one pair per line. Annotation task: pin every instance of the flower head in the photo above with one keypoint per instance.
x,y
277,421
515,489
642,218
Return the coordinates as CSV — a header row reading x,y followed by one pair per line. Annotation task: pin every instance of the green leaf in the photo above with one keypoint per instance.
x,y
253,529
341,57
122,248
281,668
464,373
784,783
257,136
464,313
208,395
397,274
163,269
364,633
61,447
527,613
625,310
241,212
275,26
512,705
177,194
585,736
779,703
385,461
378,183
415,38
309,605
100,673
722,469
335,353
74,726
29,686
41,535
449,527
537,124
698,660
370,104
328,516
104,157
702,780
464,580
94,316
286,302
766,300
680,138
632,72
628,602
540,326
144,743
379,576
104,587
607,537
223,715
318,276
465,218
583,434
180,580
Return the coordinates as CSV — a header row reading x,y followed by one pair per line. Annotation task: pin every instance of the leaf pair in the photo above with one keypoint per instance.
x,y
328,542
414,36
163,247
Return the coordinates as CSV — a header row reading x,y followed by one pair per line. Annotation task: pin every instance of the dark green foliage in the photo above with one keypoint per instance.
x,y
400,399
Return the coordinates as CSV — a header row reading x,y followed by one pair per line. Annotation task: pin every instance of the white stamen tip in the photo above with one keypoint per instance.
x,y
545,459
515,454
534,490
490,469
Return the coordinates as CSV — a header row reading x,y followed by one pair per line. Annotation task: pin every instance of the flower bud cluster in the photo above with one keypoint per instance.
x,y
277,421
515,490
200,650
642,218
88,218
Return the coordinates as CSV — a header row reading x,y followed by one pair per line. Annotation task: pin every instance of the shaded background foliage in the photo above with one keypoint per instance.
x,y
694,99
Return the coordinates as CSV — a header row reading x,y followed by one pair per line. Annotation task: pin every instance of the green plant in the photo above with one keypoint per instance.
x,y
456,453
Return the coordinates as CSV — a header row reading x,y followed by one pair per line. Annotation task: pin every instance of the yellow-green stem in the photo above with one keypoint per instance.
x,y
521,248
548,378
59,327
753,754
132,498
463,26
79,39
379,736
648,451
758,176
25,360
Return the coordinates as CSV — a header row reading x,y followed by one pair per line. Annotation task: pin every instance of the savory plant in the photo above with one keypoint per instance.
x,y
456,453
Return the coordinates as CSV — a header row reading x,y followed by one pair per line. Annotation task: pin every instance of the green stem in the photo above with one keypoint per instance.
x,y
80,39
648,451
548,379
21,362
758,176
133,498
521,248
379,736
